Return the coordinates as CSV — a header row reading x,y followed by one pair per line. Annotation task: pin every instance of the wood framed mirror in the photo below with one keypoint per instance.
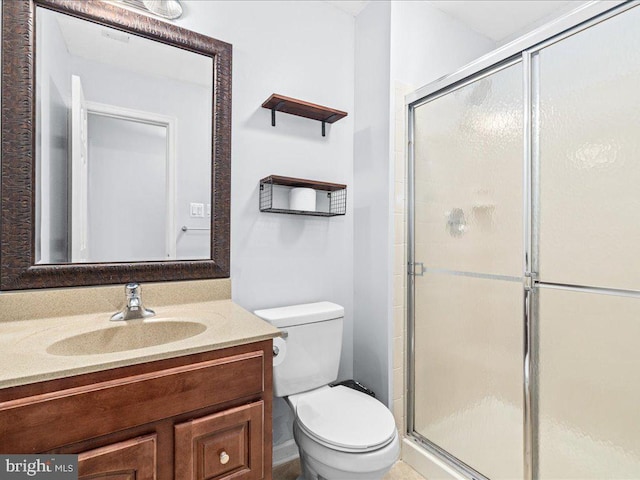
x,y
49,237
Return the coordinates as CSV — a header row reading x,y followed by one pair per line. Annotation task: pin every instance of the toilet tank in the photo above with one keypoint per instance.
x,y
308,354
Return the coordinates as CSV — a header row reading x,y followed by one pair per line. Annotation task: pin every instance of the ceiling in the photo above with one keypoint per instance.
x,y
352,7
500,20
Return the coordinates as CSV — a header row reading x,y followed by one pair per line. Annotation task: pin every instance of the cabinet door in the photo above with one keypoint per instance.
x,y
129,460
224,445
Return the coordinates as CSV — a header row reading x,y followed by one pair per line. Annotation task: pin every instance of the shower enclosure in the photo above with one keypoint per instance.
x,y
524,253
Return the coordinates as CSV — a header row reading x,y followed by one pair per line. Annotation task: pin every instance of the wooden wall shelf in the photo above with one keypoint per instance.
x,y
336,203
301,182
293,106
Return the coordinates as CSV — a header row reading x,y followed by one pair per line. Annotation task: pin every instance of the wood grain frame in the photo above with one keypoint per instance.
x,y
17,183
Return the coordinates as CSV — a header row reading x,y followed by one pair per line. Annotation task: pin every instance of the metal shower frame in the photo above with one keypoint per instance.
x,y
523,50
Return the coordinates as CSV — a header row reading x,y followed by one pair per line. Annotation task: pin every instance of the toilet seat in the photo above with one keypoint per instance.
x,y
344,419
334,464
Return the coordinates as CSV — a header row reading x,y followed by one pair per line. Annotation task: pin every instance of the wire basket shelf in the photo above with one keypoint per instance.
x,y
331,198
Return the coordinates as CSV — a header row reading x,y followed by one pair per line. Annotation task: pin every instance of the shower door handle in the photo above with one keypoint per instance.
x,y
416,269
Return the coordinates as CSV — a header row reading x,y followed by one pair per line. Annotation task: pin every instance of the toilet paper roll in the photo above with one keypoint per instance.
x,y
280,346
302,198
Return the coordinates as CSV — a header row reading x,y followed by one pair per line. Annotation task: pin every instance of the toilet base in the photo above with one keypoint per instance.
x,y
310,472
320,463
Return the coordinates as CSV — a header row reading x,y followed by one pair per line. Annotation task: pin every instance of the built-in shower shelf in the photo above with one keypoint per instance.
x,y
293,106
335,196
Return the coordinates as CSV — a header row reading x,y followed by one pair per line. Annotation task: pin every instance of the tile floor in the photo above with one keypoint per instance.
x,y
400,471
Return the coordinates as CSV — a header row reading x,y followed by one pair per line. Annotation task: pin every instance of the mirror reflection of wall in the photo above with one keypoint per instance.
x,y
147,106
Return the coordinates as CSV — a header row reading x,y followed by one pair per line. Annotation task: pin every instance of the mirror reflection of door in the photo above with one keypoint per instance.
x,y
127,201
122,183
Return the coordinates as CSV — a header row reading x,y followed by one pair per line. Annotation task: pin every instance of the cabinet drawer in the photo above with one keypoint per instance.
x,y
90,411
130,460
228,444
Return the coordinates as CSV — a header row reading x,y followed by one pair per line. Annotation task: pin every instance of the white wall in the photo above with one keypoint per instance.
x,y
372,295
303,50
427,44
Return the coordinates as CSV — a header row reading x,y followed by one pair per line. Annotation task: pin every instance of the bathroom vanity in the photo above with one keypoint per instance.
x,y
200,416
194,408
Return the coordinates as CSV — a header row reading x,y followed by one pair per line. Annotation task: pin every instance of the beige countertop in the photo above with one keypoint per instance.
x,y
28,355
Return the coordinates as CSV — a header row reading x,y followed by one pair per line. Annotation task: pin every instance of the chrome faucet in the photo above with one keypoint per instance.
x,y
134,307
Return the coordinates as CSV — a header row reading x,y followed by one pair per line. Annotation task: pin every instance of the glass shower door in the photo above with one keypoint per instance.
x,y
588,105
468,304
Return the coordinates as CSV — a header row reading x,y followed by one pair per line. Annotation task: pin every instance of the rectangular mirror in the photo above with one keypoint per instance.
x,y
116,147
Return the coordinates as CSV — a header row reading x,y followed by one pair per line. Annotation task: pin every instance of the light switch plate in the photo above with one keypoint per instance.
x,y
197,210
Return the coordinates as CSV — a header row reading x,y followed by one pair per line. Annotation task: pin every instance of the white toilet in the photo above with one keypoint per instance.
x,y
342,434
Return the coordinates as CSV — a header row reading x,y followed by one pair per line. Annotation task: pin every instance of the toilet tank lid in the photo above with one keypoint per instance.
x,y
301,314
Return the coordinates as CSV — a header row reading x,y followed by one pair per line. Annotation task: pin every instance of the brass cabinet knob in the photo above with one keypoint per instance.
x,y
224,458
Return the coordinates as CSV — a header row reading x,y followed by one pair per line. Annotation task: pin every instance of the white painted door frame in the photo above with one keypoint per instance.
x,y
79,173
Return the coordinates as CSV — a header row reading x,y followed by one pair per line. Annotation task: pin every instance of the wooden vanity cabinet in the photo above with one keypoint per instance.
x,y
200,417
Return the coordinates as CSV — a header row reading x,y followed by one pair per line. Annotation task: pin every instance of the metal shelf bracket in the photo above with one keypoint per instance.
x,y
273,113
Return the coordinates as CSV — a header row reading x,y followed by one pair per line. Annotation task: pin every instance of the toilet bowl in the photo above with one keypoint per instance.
x,y
341,433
